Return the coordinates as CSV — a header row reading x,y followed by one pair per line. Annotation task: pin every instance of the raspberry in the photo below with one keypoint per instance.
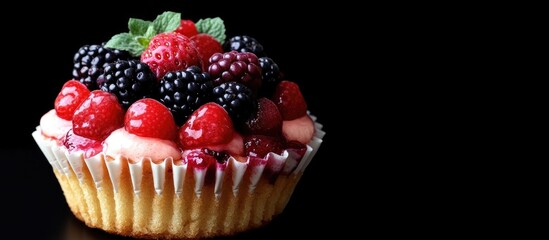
x,y
260,145
266,120
289,100
69,98
149,118
185,91
187,28
206,46
209,125
128,80
236,67
98,116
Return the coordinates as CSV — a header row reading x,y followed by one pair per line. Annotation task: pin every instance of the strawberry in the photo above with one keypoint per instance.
x,y
208,125
260,145
206,46
289,100
187,28
98,116
150,118
69,98
170,51
266,121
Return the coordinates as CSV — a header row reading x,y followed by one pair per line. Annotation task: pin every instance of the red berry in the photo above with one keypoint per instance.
x,y
69,98
266,121
260,145
187,28
208,125
90,147
289,100
200,159
150,118
98,116
206,46
241,67
170,51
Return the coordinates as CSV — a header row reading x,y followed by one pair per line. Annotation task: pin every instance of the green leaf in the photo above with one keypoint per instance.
x,y
127,42
167,22
150,33
138,26
212,26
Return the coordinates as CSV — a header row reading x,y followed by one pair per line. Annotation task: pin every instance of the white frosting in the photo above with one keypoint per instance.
x,y
134,147
53,126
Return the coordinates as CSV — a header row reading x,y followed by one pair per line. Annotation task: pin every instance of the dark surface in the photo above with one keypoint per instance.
x,y
34,198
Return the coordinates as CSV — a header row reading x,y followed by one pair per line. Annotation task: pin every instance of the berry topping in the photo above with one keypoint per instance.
x,y
260,145
236,67
244,44
185,91
296,147
170,52
206,46
69,98
89,61
199,159
289,100
208,125
74,143
98,116
128,80
271,76
266,120
149,118
187,28
236,98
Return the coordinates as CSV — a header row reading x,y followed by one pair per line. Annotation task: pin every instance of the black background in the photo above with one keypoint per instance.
x,y
40,60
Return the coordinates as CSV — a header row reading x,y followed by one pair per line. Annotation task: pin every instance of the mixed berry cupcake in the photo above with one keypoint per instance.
x,y
172,131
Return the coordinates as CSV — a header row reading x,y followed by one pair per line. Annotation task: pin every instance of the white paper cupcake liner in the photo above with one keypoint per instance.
x,y
287,163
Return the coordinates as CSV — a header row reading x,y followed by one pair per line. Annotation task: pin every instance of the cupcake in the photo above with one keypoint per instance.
x,y
149,140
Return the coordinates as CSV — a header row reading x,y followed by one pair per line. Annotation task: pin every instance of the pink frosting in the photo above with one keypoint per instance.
x,y
53,126
300,129
134,147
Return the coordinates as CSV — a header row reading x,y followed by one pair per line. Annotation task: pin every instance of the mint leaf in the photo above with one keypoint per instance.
x,y
127,42
212,26
167,22
150,33
138,26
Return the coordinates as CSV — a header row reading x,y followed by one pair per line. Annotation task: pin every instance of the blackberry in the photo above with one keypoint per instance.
x,y
244,44
236,67
129,80
185,91
236,99
89,63
271,76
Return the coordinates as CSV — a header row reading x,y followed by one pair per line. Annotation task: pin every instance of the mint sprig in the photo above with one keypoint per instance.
x,y
212,26
141,31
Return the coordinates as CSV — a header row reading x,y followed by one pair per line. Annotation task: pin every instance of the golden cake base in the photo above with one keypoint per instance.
x,y
168,216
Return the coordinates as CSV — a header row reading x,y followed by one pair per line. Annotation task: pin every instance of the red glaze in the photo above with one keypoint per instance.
x,y
69,98
150,118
